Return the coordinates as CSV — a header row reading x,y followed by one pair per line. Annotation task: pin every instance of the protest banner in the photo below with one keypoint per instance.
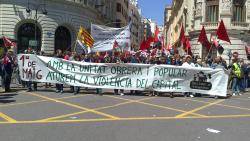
x,y
162,78
105,38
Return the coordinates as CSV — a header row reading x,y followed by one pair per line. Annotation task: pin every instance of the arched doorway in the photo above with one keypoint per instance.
x,y
26,37
62,39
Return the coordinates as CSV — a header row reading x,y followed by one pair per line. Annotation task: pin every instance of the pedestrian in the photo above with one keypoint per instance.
x,y
235,76
7,70
244,74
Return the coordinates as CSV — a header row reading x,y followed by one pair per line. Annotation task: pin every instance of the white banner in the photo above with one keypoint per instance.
x,y
162,78
105,37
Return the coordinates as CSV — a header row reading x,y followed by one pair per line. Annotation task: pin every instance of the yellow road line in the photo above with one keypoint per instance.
x,y
75,106
9,119
100,108
198,109
164,107
127,119
159,106
223,105
38,101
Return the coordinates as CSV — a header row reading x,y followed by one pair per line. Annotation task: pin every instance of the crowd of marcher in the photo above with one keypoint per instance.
x,y
238,70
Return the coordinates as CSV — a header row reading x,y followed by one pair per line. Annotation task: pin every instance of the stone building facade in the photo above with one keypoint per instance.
x,y
48,25
122,13
193,14
135,18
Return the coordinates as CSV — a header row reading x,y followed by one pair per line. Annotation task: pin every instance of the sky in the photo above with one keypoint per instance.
x,y
154,9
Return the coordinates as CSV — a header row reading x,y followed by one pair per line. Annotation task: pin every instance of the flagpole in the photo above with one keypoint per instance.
x,y
209,50
76,39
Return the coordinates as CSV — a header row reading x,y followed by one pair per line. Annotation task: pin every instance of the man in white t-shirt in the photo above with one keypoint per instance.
x,y
188,63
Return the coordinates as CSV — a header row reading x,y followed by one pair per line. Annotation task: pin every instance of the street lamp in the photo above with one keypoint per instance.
x,y
37,7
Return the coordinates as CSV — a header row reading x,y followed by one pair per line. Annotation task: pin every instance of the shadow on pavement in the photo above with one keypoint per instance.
x,y
7,98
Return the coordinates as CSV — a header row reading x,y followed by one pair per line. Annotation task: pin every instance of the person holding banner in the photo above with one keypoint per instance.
x,y
76,89
116,59
59,87
98,59
29,83
188,63
70,56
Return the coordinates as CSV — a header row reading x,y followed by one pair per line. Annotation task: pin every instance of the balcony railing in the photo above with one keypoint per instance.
x,y
234,25
240,24
210,24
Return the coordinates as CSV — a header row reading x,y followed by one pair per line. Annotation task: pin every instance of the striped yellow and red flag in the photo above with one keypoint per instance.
x,y
85,37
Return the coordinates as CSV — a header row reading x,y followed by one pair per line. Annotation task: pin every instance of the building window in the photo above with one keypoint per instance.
x,y
212,10
118,7
239,11
62,39
26,37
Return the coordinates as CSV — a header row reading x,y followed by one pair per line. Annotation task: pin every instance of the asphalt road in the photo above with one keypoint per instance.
x,y
49,116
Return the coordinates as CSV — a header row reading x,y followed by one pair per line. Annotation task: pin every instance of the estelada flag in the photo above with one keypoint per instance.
x,y
85,37
203,38
222,32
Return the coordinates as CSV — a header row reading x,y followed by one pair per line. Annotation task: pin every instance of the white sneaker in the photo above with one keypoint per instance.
x,y
191,95
239,94
234,94
122,94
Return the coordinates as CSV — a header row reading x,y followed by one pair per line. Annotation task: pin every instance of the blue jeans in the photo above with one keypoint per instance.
x,y
236,85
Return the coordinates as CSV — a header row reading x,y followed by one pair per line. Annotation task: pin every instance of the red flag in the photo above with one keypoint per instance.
x,y
115,45
7,42
143,45
182,35
203,38
187,43
156,39
222,32
149,41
